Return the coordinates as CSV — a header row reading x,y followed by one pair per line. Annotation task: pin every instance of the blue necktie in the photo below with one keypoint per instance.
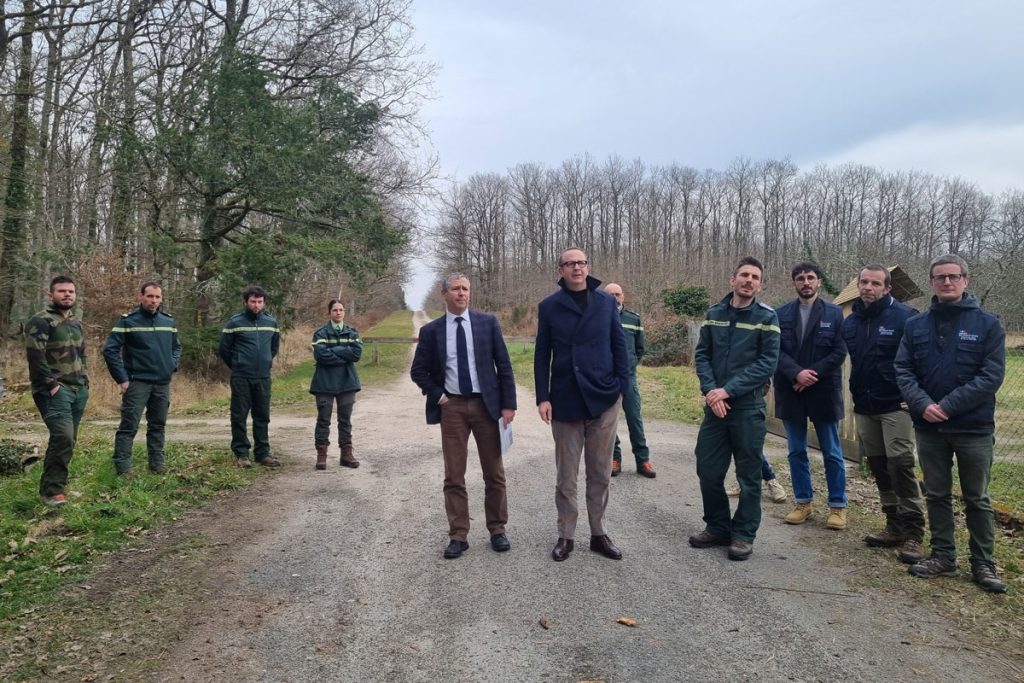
x,y
462,351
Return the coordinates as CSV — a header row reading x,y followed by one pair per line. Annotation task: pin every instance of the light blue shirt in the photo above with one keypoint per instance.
x,y
451,365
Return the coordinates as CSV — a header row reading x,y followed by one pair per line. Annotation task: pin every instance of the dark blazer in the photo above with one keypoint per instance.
x,y
823,350
580,362
493,365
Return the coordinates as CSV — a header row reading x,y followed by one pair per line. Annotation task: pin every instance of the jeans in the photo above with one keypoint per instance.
x,y
767,473
800,466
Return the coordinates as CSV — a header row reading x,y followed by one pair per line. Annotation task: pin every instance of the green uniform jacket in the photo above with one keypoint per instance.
x,y
249,343
336,352
143,346
636,346
55,346
738,351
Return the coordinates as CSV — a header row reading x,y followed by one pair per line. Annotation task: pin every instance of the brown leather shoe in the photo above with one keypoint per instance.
x,y
269,462
604,545
562,549
321,456
347,459
706,539
646,470
740,550
616,468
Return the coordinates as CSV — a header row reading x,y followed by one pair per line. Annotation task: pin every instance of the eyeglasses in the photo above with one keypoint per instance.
x,y
573,264
952,277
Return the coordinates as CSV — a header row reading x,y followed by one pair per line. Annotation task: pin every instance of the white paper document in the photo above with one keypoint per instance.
x,y
505,433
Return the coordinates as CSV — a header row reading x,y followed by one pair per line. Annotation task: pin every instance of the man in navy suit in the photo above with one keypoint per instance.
x,y
581,369
463,368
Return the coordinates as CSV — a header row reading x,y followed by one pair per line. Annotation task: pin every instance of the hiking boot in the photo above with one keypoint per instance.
x,y
616,468
56,500
646,470
799,514
733,489
242,462
774,491
347,459
321,457
984,574
269,462
836,519
936,565
889,537
740,550
911,552
162,469
706,539
127,476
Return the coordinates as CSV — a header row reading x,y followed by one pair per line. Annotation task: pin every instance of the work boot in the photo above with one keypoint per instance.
x,y
889,537
936,565
733,489
799,514
836,519
911,552
984,574
646,470
347,459
616,468
321,456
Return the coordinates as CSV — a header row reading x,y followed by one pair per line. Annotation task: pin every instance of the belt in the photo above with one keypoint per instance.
x,y
463,396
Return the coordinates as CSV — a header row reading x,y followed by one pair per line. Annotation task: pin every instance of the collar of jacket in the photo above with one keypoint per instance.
x,y
60,313
592,283
950,308
250,315
874,309
727,302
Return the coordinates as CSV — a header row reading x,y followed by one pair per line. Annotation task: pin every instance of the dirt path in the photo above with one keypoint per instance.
x,y
338,575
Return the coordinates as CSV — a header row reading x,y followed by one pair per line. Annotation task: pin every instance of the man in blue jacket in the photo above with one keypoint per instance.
x,y
949,366
872,333
142,354
809,386
463,368
248,344
581,371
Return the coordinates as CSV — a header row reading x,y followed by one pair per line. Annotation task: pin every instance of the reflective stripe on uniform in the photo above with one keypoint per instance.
x,y
231,330
759,326
145,329
637,328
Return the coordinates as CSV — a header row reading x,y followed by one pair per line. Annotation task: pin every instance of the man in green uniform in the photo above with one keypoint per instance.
x,y
142,354
55,347
248,345
735,357
635,347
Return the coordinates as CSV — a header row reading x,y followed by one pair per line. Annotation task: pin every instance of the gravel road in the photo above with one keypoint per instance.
x,y
339,576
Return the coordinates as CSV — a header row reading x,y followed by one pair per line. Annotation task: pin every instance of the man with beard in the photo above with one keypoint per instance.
x,y
950,364
735,357
872,333
808,386
55,347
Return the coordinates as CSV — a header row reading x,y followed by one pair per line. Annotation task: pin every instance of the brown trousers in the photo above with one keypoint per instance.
x,y
595,440
460,417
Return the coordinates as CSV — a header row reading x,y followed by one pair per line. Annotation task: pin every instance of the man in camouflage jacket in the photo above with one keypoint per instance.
x,y
55,348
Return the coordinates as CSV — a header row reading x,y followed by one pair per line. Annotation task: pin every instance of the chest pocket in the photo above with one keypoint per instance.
x,y
969,357
919,340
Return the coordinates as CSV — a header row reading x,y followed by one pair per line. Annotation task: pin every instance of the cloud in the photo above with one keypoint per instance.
x,y
982,152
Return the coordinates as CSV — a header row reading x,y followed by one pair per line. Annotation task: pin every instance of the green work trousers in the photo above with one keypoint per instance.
x,y
62,413
635,424
250,395
738,436
973,453
155,399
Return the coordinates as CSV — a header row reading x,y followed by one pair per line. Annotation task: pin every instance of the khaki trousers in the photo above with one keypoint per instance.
x,y
595,440
460,417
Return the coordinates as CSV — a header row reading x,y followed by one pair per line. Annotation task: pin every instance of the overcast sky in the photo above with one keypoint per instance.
x,y
930,85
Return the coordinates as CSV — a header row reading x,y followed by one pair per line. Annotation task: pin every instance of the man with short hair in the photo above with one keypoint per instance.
x,y
950,364
142,354
248,345
872,332
809,386
55,348
635,347
463,368
735,357
581,372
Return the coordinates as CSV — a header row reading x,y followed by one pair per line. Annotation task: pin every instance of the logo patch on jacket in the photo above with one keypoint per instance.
x,y
968,336
884,331
825,325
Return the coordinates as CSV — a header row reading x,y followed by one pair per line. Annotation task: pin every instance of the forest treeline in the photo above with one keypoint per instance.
x,y
208,144
656,227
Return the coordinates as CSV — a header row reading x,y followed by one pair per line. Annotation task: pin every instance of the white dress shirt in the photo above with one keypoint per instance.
x,y
451,366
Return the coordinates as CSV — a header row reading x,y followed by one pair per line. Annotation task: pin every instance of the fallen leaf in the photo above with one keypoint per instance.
x,y
543,623
626,621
